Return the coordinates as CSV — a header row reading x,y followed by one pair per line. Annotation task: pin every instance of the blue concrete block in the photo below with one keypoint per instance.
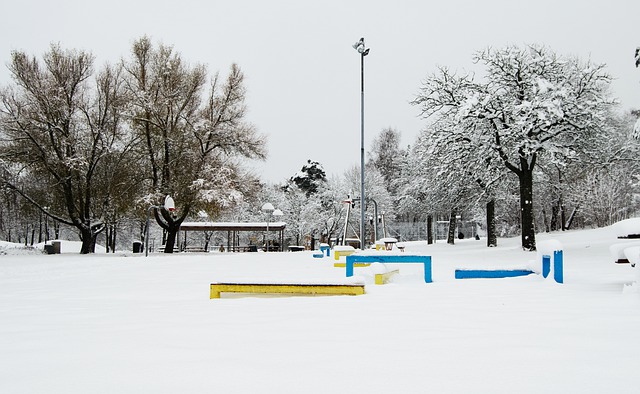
x,y
558,272
318,255
546,265
478,274
325,249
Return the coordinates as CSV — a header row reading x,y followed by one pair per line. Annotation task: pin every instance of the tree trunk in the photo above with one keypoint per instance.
x,y
107,237
554,217
114,233
207,239
88,238
546,221
492,236
573,215
429,229
526,209
451,236
170,240
171,228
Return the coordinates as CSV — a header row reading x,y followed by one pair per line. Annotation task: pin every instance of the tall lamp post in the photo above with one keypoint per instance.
x,y
170,206
360,47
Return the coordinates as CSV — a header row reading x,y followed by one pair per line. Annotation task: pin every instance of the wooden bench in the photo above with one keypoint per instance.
x,y
286,288
194,249
386,259
241,248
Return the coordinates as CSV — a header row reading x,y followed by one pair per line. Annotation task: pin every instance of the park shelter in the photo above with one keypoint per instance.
x,y
233,229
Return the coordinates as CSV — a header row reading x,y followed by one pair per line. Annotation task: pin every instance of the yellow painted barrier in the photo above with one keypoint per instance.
x,y
384,277
343,265
345,289
338,253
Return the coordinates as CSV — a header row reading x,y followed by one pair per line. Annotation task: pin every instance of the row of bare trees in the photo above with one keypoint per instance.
x,y
88,148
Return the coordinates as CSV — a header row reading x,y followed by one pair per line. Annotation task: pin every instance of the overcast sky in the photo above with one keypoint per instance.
x,y
303,76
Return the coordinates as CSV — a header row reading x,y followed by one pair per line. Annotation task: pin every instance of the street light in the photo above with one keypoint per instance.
x,y
363,51
268,209
170,206
278,212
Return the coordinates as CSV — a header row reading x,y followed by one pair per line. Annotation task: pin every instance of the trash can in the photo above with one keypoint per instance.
x,y
48,248
137,247
56,246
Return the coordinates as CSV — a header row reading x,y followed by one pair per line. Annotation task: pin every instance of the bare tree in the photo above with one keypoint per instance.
x,y
386,156
191,138
59,127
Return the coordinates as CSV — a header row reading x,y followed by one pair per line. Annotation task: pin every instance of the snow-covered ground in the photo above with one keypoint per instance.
x,y
128,324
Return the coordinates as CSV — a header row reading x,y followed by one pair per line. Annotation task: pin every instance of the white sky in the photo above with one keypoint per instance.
x,y
303,76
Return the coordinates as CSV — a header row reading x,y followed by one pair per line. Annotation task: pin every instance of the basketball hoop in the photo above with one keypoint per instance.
x,y
169,205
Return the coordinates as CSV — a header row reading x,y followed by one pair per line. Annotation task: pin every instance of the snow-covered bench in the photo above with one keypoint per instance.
x,y
627,229
633,255
618,251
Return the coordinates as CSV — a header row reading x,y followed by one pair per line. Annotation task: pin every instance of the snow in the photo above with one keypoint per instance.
x,y
343,248
129,324
627,227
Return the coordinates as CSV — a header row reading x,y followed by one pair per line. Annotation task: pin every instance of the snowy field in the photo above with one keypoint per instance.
x,y
128,324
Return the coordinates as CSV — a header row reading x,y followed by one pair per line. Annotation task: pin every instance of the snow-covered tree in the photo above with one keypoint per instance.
x,y
375,193
603,183
309,177
531,101
386,156
636,128
330,209
65,129
301,211
190,137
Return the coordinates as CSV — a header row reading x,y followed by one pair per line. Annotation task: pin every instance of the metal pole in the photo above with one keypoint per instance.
x,y
362,196
267,250
146,233
375,223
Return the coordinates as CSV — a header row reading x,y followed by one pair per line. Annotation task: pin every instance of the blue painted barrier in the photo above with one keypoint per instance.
x,y
325,249
546,265
477,274
318,255
558,269
558,266
386,259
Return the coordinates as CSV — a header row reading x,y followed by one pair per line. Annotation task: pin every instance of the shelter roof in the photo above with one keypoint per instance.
x,y
232,226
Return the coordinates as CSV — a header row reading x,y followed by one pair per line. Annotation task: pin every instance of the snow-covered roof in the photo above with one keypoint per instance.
x,y
232,226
